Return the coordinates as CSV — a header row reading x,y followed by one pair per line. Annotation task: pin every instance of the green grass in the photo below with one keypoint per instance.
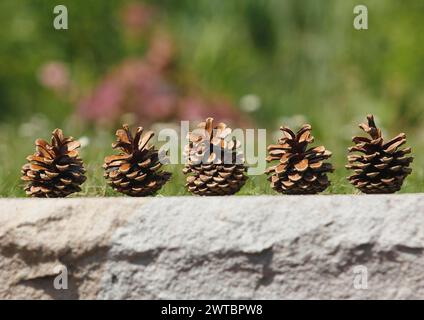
x,y
14,148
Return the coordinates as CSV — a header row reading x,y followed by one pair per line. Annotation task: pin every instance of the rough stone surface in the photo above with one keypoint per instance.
x,y
38,236
265,247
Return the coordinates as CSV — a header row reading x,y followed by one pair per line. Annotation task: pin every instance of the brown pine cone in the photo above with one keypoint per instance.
x,y
215,164
54,170
299,170
382,167
135,170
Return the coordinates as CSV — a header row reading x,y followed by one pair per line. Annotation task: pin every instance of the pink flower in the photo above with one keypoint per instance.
x,y
137,17
103,104
196,108
134,87
161,52
54,75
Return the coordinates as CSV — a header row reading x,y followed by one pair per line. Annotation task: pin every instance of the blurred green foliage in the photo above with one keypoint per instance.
x,y
302,58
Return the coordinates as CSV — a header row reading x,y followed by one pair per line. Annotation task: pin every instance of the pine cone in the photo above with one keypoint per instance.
x,y
216,165
135,171
54,170
300,170
383,166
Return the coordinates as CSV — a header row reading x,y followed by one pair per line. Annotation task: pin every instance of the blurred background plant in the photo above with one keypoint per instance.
x,y
251,63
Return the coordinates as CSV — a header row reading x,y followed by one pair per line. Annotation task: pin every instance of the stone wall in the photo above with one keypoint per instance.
x,y
256,247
